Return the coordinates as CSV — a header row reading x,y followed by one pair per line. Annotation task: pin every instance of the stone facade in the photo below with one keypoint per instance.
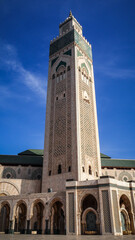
x,y
71,193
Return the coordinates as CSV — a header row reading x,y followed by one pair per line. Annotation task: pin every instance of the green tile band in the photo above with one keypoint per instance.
x,y
72,36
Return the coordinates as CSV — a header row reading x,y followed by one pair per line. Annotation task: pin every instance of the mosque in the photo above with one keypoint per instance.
x,y
69,187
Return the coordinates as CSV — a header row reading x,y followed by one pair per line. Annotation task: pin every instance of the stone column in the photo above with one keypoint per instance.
x,y
43,225
28,230
47,223
132,186
11,226
79,223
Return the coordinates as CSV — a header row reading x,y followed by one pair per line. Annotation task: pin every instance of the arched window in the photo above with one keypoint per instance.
x,y
69,168
68,68
90,171
53,76
61,76
59,169
57,78
83,169
64,75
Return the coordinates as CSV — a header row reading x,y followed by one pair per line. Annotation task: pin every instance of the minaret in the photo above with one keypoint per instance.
x,y
71,150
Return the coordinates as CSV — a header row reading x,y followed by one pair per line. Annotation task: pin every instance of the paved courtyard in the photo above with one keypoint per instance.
x,y
60,237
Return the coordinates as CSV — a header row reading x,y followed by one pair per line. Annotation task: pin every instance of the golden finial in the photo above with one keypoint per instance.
x,y
70,14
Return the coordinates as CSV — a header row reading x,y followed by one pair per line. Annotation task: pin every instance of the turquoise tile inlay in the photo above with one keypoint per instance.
x,y
81,42
68,52
89,65
60,64
79,53
72,36
53,61
84,65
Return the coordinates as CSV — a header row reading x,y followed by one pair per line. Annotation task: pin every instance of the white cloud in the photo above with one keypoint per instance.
x,y
111,65
10,62
115,72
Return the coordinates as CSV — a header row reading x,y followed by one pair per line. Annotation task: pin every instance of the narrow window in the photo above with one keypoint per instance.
x,y
96,174
64,95
57,78
56,98
90,172
53,76
50,173
59,169
68,68
69,168
64,75
60,76
83,169
8,175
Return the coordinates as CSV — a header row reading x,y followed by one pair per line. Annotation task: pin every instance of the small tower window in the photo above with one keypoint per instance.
x,y
69,168
96,174
8,175
53,76
57,98
90,172
59,169
64,75
50,172
83,169
57,78
68,68
64,95
39,177
61,76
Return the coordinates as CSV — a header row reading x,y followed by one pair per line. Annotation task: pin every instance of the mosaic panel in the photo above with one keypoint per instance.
x,y
60,125
9,173
79,53
87,124
72,36
60,64
62,42
81,42
106,210
53,61
68,52
71,212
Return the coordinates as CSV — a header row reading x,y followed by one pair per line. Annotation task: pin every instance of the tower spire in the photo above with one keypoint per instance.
x,y
70,14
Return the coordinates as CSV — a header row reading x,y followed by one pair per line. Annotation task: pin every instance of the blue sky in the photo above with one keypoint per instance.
x,y
26,28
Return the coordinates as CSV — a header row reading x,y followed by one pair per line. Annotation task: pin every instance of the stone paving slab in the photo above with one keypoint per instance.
x,y
60,237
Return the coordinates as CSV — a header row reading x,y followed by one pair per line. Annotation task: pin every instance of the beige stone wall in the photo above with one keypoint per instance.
x,y
60,134
19,186
71,132
119,174
20,172
88,140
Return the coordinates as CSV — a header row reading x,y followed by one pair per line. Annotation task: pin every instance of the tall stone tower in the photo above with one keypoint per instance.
x,y
71,150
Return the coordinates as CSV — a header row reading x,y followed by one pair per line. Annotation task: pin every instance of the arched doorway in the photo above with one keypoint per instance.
x,y
37,218
123,221
126,215
57,218
91,222
4,218
89,216
20,218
